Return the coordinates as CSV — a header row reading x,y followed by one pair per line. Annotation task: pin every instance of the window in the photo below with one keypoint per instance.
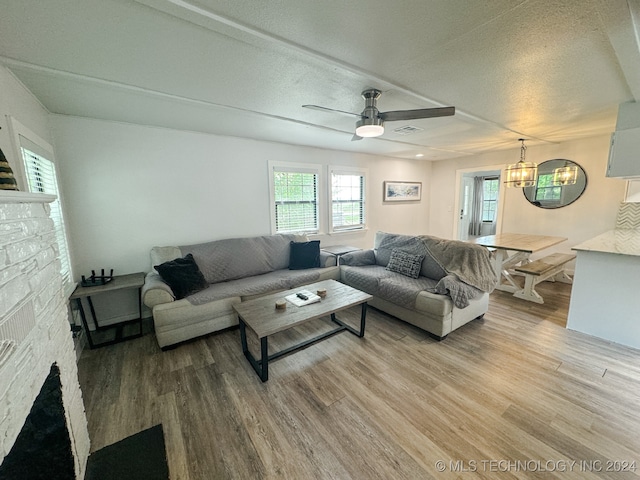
x,y
37,173
546,191
41,177
295,198
347,200
490,188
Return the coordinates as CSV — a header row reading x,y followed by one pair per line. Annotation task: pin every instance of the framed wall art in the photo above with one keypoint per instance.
x,y
402,191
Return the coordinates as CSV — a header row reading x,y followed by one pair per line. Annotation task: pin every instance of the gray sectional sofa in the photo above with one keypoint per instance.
x,y
451,288
234,270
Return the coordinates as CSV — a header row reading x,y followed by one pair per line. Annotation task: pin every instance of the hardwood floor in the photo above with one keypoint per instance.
x,y
515,387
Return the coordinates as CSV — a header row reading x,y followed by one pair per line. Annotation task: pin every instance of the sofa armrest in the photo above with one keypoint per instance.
x,y
156,291
327,259
358,258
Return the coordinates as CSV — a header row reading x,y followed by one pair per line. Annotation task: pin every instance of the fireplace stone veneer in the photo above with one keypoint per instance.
x,y
34,327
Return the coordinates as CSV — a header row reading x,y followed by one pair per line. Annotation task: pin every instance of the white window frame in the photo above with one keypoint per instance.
x,y
494,201
341,170
277,166
44,150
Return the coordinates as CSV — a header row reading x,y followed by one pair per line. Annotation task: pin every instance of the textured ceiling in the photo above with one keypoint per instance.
x,y
544,70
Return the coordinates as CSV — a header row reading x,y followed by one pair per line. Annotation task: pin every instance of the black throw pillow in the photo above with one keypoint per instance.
x,y
304,255
182,275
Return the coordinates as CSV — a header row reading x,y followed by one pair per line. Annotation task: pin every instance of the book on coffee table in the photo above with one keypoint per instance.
x,y
299,302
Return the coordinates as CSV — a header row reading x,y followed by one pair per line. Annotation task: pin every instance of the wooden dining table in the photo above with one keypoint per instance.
x,y
512,249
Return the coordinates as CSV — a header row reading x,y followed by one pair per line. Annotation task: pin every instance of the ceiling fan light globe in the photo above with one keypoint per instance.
x,y
370,126
369,130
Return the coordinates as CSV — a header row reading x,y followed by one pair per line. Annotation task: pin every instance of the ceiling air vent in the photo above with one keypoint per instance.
x,y
407,130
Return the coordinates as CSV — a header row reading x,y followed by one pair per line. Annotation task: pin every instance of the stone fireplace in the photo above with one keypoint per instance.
x,y
35,337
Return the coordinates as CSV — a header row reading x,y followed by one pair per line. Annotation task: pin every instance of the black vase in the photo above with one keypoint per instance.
x,y
7,180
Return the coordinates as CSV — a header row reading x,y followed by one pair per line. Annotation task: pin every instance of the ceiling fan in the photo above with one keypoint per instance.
x,y
371,123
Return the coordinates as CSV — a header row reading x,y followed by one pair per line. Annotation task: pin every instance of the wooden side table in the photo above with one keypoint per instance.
x,y
119,282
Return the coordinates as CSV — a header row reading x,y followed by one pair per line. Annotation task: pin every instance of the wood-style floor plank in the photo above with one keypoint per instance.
x,y
514,387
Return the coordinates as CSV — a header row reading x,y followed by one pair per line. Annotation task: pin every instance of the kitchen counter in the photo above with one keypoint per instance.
x,y
620,241
604,298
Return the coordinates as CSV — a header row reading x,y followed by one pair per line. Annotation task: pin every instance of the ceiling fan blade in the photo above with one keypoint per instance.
x,y
325,109
416,114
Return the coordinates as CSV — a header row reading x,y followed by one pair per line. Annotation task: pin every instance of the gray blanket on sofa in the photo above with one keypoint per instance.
x,y
460,292
467,261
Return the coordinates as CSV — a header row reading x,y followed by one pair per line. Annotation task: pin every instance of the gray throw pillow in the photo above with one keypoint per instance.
x,y
405,263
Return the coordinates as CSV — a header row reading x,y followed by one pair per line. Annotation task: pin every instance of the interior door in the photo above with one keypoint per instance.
x,y
466,194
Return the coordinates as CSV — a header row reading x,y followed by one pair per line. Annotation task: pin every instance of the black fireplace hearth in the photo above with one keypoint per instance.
x,y
43,447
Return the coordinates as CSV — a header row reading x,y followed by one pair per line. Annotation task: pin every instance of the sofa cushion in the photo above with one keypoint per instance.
x,y
403,290
295,278
405,263
304,255
254,285
233,258
364,278
358,258
182,275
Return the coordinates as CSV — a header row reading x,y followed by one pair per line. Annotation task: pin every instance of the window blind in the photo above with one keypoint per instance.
x,y
347,201
41,178
296,201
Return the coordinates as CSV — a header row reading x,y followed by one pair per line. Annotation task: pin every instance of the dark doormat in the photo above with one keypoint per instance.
x,y
139,457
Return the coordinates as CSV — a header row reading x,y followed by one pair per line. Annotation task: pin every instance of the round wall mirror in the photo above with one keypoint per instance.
x,y
555,188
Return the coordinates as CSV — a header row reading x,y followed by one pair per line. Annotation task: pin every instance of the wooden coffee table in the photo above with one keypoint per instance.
x,y
262,317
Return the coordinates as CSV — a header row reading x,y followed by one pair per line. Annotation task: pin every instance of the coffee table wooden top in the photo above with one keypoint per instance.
x,y
521,242
261,316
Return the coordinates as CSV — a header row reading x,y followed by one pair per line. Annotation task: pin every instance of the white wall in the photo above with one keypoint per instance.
x,y
18,102
593,213
128,188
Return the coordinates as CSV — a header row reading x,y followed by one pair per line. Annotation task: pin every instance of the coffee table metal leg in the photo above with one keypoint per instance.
x,y
261,367
264,374
243,335
363,316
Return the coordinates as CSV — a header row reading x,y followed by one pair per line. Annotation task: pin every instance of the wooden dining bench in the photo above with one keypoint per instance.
x,y
540,270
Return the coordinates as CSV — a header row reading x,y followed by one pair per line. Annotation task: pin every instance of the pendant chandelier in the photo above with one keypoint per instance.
x,y
523,173
567,175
